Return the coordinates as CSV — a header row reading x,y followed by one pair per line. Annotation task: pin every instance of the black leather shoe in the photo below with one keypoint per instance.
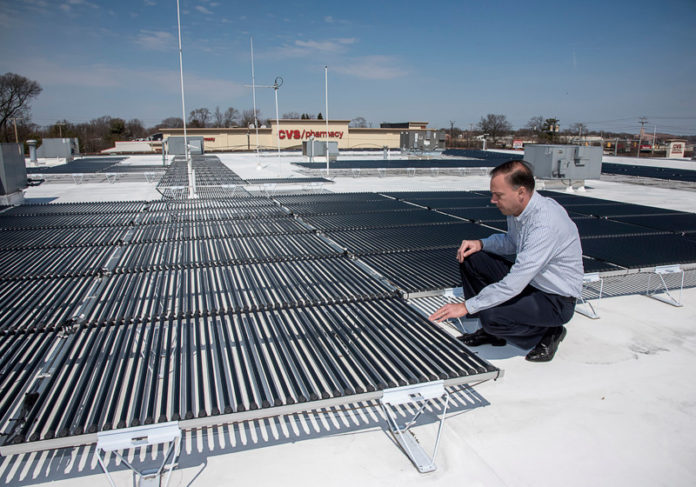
x,y
546,348
480,337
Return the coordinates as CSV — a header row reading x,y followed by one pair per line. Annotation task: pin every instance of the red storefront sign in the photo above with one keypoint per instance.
x,y
306,134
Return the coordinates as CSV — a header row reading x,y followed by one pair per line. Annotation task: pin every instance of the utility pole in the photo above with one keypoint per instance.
x,y
652,152
642,121
452,133
14,121
60,129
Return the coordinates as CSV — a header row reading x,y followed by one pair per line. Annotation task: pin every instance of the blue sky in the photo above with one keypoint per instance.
x,y
604,63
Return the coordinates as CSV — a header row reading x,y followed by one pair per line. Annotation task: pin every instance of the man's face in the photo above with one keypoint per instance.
x,y
510,201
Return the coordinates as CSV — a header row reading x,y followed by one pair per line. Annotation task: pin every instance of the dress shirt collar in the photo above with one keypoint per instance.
x,y
533,203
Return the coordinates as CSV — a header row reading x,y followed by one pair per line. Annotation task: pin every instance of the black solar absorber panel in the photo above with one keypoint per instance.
x,y
432,195
271,362
650,172
60,237
616,209
328,198
136,168
592,265
288,180
84,166
372,241
599,227
641,250
477,214
37,304
208,204
77,208
439,203
141,296
399,164
47,263
210,215
66,221
328,208
674,222
192,253
418,271
219,229
574,199
383,219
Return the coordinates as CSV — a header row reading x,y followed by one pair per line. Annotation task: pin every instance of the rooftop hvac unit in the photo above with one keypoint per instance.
x,y
317,148
422,141
65,148
564,161
13,172
175,145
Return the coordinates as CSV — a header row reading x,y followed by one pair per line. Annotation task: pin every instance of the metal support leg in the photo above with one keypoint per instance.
x,y
138,437
586,307
416,395
663,294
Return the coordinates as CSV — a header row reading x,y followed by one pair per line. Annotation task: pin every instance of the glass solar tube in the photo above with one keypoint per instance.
x,y
291,375
324,383
82,386
393,340
277,389
19,363
327,353
111,355
46,425
347,356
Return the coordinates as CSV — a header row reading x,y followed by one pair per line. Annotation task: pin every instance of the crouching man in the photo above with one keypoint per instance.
x,y
527,302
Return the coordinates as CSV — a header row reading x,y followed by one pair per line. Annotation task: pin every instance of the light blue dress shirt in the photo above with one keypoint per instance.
x,y
549,255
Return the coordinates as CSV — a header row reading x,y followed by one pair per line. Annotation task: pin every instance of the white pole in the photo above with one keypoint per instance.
x,y
326,117
275,92
253,97
653,144
192,190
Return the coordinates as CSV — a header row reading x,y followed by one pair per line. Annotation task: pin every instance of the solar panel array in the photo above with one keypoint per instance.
x,y
650,172
166,310
402,164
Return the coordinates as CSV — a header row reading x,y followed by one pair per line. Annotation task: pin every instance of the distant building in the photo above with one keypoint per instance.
x,y
292,132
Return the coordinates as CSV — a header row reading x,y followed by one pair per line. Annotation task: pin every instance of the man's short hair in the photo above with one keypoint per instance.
x,y
517,173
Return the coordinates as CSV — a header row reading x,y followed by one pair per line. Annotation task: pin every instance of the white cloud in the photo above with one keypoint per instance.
x,y
328,19
203,10
119,78
150,3
155,40
302,48
372,67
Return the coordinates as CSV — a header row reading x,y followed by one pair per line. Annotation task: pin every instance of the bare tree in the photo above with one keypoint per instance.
x,y
135,129
291,116
231,117
248,118
494,125
535,124
15,93
172,122
578,128
199,118
358,122
218,118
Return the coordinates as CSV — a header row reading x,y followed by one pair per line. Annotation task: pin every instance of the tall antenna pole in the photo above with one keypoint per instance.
x,y
326,91
253,97
191,185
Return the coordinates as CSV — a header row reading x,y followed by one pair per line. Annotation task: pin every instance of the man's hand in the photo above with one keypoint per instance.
x,y
467,248
452,310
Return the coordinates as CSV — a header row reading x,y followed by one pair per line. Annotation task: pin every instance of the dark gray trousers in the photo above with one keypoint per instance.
x,y
521,320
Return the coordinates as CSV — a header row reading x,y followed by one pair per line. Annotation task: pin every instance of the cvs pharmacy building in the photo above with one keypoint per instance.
x,y
292,132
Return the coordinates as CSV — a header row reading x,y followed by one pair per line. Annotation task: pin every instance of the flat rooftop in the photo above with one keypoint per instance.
x,y
614,407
